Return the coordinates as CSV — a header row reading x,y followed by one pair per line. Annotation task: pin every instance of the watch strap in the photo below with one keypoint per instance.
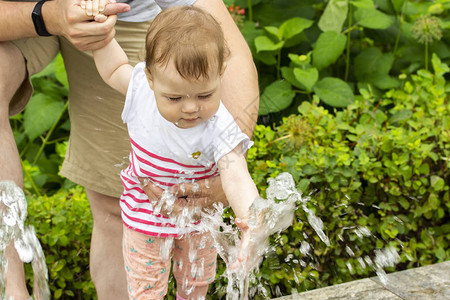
x,y
38,21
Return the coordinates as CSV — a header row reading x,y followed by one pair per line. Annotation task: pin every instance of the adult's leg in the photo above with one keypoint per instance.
x,y
97,151
106,258
12,74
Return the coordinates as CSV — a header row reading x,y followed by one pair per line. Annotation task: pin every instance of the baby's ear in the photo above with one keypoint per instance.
x,y
149,77
222,70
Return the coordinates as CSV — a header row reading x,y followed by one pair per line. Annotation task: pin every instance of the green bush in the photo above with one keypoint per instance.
x,y
63,224
331,48
380,163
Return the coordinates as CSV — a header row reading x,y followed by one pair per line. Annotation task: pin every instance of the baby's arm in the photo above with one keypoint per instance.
x,y
237,184
112,64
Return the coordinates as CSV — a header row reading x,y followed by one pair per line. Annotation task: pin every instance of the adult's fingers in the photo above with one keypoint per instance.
x,y
116,8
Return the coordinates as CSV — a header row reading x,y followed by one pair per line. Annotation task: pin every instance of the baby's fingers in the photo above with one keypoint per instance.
x,y
100,18
87,5
94,7
98,6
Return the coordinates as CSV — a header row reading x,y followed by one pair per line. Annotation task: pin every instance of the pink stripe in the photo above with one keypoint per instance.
x,y
156,234
135,209
146,222
132,161
137,200
139,190
128,180
162,158
161,182
150,164
165,183
126,188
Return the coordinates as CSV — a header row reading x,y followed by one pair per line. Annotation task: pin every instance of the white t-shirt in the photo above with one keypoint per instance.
x,y
144,10
168,155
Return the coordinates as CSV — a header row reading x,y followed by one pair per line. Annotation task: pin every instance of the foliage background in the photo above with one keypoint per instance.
x,y
354,104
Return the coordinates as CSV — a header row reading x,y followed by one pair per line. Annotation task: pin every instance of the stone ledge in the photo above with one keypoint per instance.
x,y
425,283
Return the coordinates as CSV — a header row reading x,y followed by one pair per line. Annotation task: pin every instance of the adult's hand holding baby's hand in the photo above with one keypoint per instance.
x,y
67,18
96,8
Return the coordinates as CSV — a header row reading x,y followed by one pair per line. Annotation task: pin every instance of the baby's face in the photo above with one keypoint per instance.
x,y
185,102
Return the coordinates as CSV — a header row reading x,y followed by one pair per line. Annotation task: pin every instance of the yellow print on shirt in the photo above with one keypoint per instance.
x,y
196,155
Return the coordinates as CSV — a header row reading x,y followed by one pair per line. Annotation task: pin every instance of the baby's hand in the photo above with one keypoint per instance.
x,y
252,245
95,8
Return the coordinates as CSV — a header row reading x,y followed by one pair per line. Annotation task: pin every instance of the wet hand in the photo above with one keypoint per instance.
x,y
209,190
154,192
249,255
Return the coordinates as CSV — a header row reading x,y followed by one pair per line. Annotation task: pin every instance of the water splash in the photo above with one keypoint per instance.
x,y
13,212
387,257
266,217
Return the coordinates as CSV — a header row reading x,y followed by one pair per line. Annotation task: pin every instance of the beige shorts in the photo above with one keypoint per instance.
x,y
99,145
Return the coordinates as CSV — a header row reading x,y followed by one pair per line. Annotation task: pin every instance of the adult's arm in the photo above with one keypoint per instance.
x,y
240,92
61,17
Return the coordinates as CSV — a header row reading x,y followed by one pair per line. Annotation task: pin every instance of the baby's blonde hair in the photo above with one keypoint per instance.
x,y
188,36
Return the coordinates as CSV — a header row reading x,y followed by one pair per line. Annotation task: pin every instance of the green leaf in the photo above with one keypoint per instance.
x,y
288,74
397,4
440,253
250,32
404,203
295,59
293,27
433,201
362,3
334,92
384,81
437,183
306,77
60,71
372,18
439,67
40,114
275,12
263,43
370,63
303,185
48,70
276,97
328,48
266,57
334,16
273,31
401,115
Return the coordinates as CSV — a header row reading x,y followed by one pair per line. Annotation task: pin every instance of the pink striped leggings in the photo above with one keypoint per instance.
x,y
148,265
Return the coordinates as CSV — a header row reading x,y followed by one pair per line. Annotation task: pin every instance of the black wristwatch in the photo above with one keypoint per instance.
x,y
38,21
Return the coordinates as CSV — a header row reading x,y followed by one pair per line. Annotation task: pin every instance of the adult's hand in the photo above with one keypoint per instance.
x,y
68,19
